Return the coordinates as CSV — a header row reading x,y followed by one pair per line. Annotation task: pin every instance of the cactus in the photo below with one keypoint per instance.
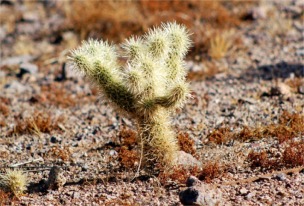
x,y
148,88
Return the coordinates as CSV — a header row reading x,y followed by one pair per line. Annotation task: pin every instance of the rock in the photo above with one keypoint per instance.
x,y
301,89
243,191
27,68
249,195
281,177
201,195
187,160
56,179
16,87
192,181
16,60
54,140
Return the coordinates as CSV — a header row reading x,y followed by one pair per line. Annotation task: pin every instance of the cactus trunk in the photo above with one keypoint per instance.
x,y
159,140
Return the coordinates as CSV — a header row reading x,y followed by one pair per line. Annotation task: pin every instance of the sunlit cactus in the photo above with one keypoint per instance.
x,y
148,88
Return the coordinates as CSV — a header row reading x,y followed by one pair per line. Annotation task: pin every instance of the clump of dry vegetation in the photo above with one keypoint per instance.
x,y
59,153
186,143
210,171
128,155
113,18
219,45
38,123
292,156
290,125
295,83
4,109
129,158
177,174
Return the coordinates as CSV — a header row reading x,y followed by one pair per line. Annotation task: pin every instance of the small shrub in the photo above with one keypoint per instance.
x,y
219,45
186,143
210,171
128,138
177,174
128,158
4,109
14,181
293,155
220,136
39,122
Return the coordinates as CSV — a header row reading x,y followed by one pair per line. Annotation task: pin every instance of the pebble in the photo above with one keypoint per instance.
x,y
28,68
113,153
281,177
187,160
243,191
192,181
16,87
54,140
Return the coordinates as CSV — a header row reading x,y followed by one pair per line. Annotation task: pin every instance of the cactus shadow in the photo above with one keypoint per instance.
x,y
281,70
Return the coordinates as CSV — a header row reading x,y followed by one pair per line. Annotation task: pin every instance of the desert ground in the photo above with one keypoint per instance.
x,y
243,126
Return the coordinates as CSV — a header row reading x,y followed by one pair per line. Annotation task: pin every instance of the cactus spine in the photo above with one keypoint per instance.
x,y
148,88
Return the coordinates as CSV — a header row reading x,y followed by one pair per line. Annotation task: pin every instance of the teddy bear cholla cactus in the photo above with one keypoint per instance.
x,y
148,88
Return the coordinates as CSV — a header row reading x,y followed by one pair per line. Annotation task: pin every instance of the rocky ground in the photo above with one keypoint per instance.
x,y
245,122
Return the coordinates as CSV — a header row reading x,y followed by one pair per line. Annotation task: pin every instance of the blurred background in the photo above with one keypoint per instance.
x,y
46,28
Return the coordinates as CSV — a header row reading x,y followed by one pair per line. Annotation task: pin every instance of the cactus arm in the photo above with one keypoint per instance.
x,y
97,60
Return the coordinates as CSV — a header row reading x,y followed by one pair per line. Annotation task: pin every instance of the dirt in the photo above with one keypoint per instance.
x,y
50,116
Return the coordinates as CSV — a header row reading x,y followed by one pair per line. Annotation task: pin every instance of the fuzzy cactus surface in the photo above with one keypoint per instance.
x,y
149,87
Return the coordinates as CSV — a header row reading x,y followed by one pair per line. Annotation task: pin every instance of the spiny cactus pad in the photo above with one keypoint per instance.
x,y
148,88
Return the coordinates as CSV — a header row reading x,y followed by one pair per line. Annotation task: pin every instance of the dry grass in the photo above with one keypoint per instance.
x,y
177,174
219,44
129,158
293,154
295,83
39,122
127,153
289,126
6,198
114,18
186,143
4,109
211,170
59,153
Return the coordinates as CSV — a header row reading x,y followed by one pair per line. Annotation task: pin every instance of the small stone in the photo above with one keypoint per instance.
x,y
249,195
15,87
113,153
54,139
189,196
27,68
56,179
192,181
243,191
201,195
301,89
76,195
281,177
187,160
